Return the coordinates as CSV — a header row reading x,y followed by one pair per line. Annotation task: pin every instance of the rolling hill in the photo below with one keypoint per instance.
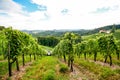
x,y
59,33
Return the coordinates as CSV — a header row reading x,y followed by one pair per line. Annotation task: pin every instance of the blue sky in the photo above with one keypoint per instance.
x,y
59,14
28,6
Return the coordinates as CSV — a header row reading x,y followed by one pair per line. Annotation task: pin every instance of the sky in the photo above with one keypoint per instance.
x,y
59,14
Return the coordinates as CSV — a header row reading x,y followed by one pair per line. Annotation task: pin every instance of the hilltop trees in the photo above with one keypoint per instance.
x,y
48,41
2,27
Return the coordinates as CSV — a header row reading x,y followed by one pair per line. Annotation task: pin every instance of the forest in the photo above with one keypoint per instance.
x,y
91,55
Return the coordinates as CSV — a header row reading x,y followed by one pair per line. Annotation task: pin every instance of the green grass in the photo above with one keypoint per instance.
x,y
46,48
101,72
1,57
45,69
3,68
63,68
92,36
117,34
100,57
4,65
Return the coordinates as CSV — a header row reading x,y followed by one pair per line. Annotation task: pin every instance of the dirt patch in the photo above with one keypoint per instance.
x,y
76,74
3,60
17,75
113,67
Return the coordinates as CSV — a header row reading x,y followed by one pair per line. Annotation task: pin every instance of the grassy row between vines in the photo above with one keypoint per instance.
x,y
100,72
100,57
4,65
47,68
46,48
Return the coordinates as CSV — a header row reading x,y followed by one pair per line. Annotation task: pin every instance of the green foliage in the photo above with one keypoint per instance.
x,y
1,58
106,72
4,66
107,44
117,34
49,75
47,68
48,41
70,45
63,68
113,29
21,42
117,71
48,33
62,47
92,45
14,43
15,40
2,27
100,72
66,47
60,33
3,43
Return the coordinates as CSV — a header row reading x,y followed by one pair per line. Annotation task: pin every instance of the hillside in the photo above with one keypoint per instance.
x,y
87,59
117,34
59,33
96,35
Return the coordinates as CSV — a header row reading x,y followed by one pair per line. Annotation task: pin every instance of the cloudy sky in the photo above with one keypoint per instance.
x,y
59,14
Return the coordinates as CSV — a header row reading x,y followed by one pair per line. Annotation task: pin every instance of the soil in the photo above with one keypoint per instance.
x,y
76,74
80,74
17,75
3,60
113,67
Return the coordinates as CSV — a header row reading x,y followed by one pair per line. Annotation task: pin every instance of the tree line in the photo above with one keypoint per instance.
x,y
82,32
50,41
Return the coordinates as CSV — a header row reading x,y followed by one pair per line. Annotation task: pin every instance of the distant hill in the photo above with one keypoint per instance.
x,y
108,27
59,33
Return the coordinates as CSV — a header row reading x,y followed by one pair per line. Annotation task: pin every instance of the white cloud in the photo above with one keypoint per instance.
x,y
9,6
80,14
